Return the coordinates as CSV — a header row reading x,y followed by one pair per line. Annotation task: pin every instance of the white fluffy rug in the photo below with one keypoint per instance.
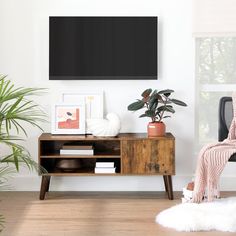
x,y
218,215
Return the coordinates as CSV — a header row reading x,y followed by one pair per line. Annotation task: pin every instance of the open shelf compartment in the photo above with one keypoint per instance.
x,y
50,148
85,165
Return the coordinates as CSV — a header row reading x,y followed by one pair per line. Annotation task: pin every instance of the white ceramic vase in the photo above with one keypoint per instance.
x,y
108,127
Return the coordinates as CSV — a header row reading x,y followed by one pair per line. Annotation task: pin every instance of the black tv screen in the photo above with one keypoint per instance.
x,y
92,48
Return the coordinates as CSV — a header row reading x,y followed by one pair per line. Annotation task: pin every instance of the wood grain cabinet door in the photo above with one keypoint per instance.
x,y
148,156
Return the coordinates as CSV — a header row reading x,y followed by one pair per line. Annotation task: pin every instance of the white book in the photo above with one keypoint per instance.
x,y
105,164
104,170
76,152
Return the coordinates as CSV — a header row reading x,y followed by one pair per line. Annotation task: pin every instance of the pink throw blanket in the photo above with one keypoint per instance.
x,y
211,162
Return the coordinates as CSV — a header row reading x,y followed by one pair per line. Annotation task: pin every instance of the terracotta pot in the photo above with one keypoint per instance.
x,y
156,129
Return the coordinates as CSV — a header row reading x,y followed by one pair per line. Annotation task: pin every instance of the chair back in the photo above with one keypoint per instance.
x,y
225,117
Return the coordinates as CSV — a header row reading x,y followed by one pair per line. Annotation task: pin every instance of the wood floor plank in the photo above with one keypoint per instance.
x,y
88,214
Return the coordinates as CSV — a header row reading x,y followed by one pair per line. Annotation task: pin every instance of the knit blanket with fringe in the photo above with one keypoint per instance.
x,y
211,161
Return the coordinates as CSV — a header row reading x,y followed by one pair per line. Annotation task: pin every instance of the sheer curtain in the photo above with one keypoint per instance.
x,y
213,18
214,29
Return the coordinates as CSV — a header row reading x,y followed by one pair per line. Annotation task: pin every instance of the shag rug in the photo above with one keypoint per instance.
x,y
218,215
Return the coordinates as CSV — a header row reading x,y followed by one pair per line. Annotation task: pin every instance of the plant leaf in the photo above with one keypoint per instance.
x,y
153,93
146,93
150,113
15,110
165,117
168,108
143,115
153,103
166,91
178,102
5,173
136,105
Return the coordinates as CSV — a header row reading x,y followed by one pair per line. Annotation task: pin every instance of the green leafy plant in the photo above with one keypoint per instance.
x,y
156,104
16,110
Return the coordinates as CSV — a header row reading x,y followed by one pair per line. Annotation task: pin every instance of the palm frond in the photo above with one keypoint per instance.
x,y
16,109
6,172
20,156
25,111
9,140
8,92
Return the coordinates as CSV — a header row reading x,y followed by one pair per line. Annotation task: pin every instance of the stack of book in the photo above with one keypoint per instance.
x,y
105,168
77,150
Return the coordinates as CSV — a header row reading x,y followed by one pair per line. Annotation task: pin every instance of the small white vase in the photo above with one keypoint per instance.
x,y
108,127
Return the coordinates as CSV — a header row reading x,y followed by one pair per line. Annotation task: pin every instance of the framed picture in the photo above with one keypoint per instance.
x,y
93,100
68,118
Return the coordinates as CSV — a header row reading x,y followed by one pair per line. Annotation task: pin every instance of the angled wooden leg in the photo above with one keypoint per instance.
x,y
165,182
169,187
44,186
48,184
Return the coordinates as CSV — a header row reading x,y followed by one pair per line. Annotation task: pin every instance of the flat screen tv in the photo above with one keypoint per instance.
x,y
102,48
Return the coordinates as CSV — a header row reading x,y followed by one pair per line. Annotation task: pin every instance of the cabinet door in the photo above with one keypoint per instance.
x,y
148,156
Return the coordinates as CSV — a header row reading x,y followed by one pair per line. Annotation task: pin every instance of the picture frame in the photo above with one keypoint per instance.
x,y
68,118
93,99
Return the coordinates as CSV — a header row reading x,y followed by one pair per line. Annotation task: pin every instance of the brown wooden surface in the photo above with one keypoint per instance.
x,y
138,154
168,186
44,186
48,136
82,173
80,156
89,172
90,214
165,183
134,153
148,156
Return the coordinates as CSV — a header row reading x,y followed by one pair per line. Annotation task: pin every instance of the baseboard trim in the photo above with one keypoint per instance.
x,y
111,183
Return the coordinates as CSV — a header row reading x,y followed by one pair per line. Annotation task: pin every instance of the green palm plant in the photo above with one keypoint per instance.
x,y
16,110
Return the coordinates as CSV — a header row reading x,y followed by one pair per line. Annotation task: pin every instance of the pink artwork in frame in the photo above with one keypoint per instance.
x,y
68,119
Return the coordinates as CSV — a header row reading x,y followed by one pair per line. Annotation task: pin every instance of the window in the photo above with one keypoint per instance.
x,y
216,77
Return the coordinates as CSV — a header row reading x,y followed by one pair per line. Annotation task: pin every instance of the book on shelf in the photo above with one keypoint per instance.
x,y
77,147
76,152
105,164
105,170
71,149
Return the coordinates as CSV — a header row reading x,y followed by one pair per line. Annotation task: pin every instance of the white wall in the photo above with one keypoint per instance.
x,y
24,57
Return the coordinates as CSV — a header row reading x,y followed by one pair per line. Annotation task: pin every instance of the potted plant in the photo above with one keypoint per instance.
x,y
156,104
16,111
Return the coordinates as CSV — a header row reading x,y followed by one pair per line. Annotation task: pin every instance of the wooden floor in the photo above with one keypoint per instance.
x,y
88,214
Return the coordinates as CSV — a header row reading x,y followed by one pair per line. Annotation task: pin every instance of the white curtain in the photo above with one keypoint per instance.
x,y
214,18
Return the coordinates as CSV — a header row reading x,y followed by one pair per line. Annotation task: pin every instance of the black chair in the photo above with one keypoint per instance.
x,y
225,118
